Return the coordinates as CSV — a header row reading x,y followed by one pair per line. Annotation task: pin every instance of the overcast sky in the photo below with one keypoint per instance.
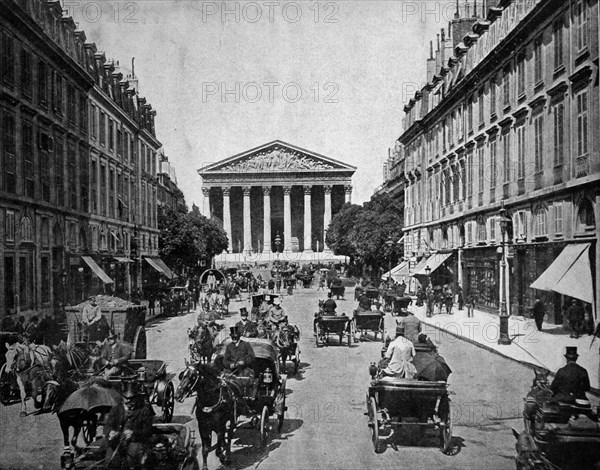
x,y
330,77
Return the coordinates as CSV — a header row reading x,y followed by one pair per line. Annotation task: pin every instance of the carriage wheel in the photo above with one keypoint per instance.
x,y
139,343
168,404
446,433
264,426
281,407
88,429
374,418
318,336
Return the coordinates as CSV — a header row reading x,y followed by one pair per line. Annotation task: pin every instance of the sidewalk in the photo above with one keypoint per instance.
x,y
544,348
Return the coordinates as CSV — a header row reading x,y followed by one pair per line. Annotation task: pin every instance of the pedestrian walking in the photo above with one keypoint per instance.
x,y
539,311
430,301
470,306
575,314
449,300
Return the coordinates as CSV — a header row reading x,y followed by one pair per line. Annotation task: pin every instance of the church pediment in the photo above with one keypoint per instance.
x,y
277,157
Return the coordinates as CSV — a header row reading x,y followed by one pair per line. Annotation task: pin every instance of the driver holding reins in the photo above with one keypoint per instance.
x,y
239,356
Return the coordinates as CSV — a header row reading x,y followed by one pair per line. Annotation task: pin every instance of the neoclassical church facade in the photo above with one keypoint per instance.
x,y
276,198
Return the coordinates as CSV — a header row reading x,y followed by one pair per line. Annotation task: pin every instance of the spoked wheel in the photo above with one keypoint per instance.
x,y
446,433
280,405
168,404
264,426
88,429
374,419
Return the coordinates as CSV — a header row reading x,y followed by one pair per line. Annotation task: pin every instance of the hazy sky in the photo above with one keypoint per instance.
x,y
330,77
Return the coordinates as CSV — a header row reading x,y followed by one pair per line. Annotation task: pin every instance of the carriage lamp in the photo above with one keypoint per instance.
x,y
503,220
141,372
268,376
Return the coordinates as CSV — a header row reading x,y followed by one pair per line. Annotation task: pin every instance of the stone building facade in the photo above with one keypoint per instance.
x,y
78,165
263,193
509,117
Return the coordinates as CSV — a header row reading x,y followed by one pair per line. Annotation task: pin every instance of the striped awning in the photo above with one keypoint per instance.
x,y
168,272
152,262
97,270
433,262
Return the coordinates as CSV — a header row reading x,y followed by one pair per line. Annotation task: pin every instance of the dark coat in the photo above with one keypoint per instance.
x,y
571,379
364,302
248,329
122,353
329,306
242,352
539,309
51,331
139,421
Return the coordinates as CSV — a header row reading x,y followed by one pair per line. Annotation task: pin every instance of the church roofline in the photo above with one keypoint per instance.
x,y
213,167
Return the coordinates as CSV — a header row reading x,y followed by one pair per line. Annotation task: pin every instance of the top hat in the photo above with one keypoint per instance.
x,y
422,338
243,312
130,389
571,352
234,331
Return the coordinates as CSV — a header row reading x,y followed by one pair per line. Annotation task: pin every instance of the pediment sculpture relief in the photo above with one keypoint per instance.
x,y
278,160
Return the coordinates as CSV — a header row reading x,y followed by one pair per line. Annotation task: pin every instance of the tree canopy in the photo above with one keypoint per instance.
x,y
188,238
361,233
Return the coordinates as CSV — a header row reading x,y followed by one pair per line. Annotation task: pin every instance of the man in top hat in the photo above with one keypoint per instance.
x,y
130,424
276,314
246,326
571,381
115,355
239,356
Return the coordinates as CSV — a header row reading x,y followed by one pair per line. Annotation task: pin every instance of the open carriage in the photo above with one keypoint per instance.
x,y
338,325
172,447
365,321
257,300
561,429
393,404
216,292
268,403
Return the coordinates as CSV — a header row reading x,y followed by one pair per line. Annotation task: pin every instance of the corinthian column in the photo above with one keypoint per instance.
x,y
327,216
247,221
206,202
348,192
227,218
287,219
267,219
307,220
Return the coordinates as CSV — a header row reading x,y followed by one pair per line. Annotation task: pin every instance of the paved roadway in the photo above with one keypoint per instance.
x,y
325,427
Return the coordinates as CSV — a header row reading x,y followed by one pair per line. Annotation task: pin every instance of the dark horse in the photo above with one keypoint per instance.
x,y
286,338
201,343
215,397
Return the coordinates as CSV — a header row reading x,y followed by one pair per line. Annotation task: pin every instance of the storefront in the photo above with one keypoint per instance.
x,y
481,277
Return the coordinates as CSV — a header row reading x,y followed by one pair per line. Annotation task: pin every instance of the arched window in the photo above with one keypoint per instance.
x,y
540,223
26,230
586,222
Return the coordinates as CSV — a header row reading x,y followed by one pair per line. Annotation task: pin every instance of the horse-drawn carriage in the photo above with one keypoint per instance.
x,y
171,447
396,403
127,320
411,399
365,320
328,325
216,292
560,429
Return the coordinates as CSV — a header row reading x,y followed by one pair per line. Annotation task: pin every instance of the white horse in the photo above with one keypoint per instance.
x,y
30,364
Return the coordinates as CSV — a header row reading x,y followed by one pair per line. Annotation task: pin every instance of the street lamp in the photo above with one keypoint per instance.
x,y
503,221
63,282
277,244
428,274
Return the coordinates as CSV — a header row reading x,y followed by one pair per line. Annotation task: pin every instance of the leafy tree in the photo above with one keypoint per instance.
x,y
187,238
361,233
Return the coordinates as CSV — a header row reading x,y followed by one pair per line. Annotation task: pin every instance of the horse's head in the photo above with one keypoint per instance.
x,y
541,378
51,395
194,377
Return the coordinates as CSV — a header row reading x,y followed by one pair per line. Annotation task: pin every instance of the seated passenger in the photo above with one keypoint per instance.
x,y
248,328
115,355
276,314
239,356
329,305
364,302
400,353
571,381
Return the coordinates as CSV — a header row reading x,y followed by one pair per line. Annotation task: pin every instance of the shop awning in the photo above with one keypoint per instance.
x,y
168,272
433,262
570,274
152,262
97,270
397,273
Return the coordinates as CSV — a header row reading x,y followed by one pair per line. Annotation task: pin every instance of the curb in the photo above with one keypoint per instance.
x,y
593,391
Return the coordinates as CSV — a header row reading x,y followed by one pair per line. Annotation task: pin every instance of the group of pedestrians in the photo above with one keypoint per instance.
x,y
46,331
